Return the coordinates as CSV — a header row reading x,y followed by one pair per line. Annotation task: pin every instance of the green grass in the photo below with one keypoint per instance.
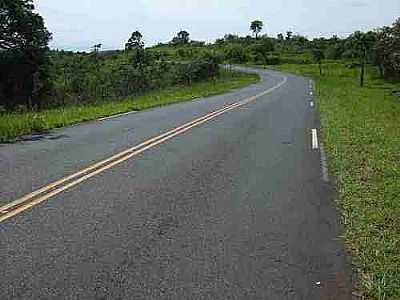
x,y
361,128
17,124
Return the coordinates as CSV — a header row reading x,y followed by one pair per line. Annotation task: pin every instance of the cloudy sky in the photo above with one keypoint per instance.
x,y
78,24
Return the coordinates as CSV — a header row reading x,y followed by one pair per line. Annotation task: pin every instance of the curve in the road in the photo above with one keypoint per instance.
x,y
45,193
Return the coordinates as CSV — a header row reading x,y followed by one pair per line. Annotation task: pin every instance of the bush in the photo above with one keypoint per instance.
x,y
296,61
236,54
3,110
353,65
273,60
81,78
349,54
197,70
37,123
334,52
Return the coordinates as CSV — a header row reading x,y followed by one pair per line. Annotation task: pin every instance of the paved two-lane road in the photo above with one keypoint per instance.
x,y
233,206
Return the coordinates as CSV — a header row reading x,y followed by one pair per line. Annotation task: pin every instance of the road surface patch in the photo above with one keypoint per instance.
x,y
51,190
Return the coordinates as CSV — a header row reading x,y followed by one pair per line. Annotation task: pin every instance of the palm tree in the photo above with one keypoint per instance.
x,y
256,26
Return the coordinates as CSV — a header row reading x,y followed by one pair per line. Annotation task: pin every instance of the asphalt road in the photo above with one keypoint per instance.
x,y
235,208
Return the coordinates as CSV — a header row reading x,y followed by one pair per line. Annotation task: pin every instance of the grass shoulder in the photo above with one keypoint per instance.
x,y
14,125
361,131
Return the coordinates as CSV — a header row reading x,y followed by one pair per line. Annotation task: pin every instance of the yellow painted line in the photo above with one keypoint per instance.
x,y
103,162
32,199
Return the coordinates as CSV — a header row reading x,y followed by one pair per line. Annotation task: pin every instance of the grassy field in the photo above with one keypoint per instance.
x,y
361,128
18,124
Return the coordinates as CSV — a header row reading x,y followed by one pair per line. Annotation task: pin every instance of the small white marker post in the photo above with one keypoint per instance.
x,y
312,103
314,134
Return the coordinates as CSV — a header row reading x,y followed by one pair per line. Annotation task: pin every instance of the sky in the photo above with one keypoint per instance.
x,y
79,24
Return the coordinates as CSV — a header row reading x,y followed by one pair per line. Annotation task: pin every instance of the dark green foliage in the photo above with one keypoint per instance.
x,y
81,78
183,53
318,56
135,42
387,51
261,50
32,76
381,47
362,44
182,38
231,38
21,28
235,54
96,48
197,70
335,51
273,60
23,54
256,27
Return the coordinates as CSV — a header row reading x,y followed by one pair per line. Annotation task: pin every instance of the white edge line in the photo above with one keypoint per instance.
x,y
314,134
257,96
118,115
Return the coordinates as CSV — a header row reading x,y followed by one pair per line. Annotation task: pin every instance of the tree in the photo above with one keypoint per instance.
x,y
136,45
335,50
23,53
300,41
387,50
362,43
135,42
256,26
318,56
219,42
21,28
231,38
182,38
96,48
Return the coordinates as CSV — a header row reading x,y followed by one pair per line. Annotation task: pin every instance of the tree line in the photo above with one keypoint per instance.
x,y
380,48
33,77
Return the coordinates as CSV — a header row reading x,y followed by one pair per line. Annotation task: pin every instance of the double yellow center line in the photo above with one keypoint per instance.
x,y
32,199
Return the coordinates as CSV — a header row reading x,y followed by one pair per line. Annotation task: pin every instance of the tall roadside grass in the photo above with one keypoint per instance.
x,y
14,125
361,128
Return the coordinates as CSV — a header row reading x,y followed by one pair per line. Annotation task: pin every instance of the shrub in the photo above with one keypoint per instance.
x,y
273,60
200,69
236,54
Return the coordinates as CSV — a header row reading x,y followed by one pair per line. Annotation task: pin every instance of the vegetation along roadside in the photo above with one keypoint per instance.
x,y
13,125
